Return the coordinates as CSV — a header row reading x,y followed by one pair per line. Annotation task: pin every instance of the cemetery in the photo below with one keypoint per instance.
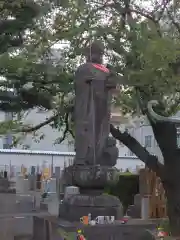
x,y
33,208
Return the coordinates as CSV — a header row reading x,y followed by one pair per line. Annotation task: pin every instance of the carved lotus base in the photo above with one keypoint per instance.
x,y
90,177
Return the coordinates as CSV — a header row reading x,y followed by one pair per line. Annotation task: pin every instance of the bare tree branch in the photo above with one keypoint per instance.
x,y
150,160
175,23
37,127
66,130
161,8
145,14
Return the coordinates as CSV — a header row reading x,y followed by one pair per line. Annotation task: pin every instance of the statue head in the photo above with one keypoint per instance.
x,y
94,52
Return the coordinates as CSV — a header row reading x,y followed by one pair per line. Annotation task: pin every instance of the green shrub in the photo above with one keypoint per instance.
x,y
125,188
164,224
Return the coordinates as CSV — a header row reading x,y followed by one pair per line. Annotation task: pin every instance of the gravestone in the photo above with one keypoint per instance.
x,y
38,199
4,185
7,203
137,200
70,191
32,182
57,172
44,187
51,200
52,185
57,175
22,185
96,152
33,170
135,210
25,203
145,208
53,205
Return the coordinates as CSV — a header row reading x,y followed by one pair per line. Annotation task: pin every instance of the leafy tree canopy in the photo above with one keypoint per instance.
x,y
141,40
142,43
25,58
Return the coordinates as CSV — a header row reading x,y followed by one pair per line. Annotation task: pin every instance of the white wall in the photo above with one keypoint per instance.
x,y
28,160
50,135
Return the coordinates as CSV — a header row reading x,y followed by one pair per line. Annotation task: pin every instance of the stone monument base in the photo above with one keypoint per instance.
x,y
76,206
91,181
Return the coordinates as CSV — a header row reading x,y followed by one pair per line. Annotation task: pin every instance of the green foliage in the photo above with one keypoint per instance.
x,y
67,235
164,224
126,187
141,45
25,54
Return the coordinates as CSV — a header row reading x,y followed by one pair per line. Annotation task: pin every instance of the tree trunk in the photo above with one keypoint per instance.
x,y
173,207
172,188
166,137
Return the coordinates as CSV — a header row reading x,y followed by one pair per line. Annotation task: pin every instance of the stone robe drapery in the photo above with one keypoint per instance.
x,y
92,113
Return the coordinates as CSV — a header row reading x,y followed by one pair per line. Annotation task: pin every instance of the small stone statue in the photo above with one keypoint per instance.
x,y
93,84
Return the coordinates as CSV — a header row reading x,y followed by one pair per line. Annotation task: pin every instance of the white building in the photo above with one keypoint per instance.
x,y
59,152
142,132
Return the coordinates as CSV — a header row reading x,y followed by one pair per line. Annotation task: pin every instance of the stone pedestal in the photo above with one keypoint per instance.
x,y
81,205
91,181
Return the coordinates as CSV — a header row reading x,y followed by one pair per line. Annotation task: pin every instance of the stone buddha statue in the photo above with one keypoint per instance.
x,y
93,95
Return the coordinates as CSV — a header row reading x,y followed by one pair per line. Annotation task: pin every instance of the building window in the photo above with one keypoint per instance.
x,y
148,141
130,153
6,146
7,141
